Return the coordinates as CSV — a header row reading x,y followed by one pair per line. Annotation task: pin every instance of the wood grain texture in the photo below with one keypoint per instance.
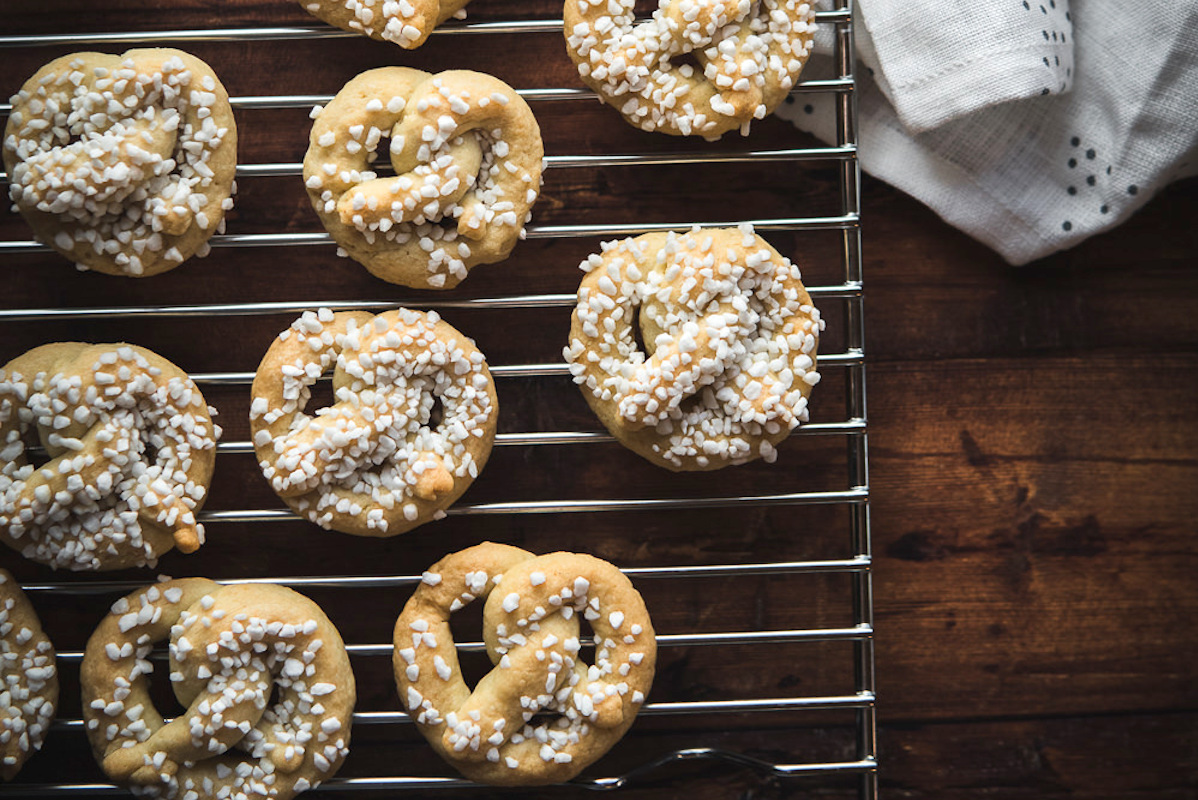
x,y
1049,566
934,293
1033,458
1034,453
1133,756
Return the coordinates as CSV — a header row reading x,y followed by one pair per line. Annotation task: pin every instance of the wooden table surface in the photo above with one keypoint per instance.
x,y
1034,457
1033,454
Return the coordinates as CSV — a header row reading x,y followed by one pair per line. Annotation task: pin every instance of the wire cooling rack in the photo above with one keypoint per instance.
x,y
772,730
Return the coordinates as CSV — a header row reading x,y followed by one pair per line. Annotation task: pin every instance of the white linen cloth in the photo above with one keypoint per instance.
x,y
1029,124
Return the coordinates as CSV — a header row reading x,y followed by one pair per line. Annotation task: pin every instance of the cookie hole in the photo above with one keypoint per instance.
x,y
274,699
687,60
149,450
474,666
690,405
163,695
586,636
467,626
638,335
697,402
35,454
379,159
320,395
436,414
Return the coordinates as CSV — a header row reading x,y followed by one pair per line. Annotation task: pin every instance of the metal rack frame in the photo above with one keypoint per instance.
x,y
852,428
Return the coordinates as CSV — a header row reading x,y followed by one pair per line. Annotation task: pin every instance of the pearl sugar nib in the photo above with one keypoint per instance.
x,y
412,423
261,671
406,23
465,155
547,709
696,67
30,679
131,447
123,164
729,338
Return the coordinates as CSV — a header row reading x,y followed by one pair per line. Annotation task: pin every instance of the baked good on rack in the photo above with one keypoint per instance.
x,y
466,153
123,164
127,450
697,67
543,713
406,23
696,350
411,426
28,679
261,671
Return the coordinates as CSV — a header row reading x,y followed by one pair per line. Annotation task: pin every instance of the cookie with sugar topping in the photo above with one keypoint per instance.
x,y
411,426
696,350
406,23
106,453
29,679
696,67
263,676
550,707
123,164
465,150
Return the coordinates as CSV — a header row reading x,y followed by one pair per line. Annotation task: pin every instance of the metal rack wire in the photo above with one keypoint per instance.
x,y
854,496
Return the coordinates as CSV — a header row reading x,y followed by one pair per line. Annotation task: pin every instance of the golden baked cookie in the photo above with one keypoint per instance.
x,y
28,679
412,424
406,23
262,673
123,164
547,710
696,350
466,154
130,445
696,67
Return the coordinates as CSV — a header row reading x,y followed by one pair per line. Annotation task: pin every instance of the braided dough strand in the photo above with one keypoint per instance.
x,y
123,164
28,679
730,337
376,462
746,54
466,153
230,649
543,714
131,447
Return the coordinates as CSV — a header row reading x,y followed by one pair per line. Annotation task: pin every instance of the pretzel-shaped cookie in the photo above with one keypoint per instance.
x,y
406,23
466,151
131,447
230,648
730,337
377,462
28,679
123,164
697,67
531,629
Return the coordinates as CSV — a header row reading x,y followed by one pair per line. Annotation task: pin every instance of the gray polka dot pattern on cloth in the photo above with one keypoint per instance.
x,y
1011,119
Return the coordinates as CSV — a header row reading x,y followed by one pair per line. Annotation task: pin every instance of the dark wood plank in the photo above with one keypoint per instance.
x,y
1134,757
1041,539
935,293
